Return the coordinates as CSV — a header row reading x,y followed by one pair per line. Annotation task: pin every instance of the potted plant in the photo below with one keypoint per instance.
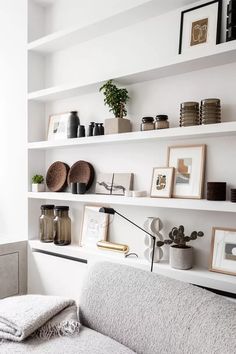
x,y
116,98
37,183
181,255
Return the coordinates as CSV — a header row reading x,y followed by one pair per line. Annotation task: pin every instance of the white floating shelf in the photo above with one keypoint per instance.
x,y
201,131
196,276
69,37
218,55
173,203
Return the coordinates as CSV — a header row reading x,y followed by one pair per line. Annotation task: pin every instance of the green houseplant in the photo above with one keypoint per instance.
x,y
181,255
116,98
37,183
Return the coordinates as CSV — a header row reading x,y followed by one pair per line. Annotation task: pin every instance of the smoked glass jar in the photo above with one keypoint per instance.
x,y
147,123
161,122
46,223
62,226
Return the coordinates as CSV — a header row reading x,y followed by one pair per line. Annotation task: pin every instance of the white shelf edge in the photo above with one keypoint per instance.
x,y
65,38
171,203
213,130
197,276
223,53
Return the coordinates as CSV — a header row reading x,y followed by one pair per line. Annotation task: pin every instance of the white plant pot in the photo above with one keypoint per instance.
x,y
181,258
38,187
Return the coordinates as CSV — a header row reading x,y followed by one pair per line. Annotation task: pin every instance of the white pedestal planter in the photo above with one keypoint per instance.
x,y
117,125
181,258
38,187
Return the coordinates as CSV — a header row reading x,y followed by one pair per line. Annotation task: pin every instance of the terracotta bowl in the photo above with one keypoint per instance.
x,y
56,178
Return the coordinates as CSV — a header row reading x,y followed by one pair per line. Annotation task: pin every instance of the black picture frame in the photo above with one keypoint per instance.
x,y
218,31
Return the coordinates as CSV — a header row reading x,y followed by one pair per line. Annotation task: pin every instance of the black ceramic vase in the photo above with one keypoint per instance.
x,y
73,123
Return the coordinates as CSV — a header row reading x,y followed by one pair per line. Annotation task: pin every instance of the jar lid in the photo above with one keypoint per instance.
x,y
189,104
74,112
161,117
61,208
47,207
147,119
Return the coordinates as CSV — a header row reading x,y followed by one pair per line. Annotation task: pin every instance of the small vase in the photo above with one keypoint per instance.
x,y
38,187
181,258
73,123
153,225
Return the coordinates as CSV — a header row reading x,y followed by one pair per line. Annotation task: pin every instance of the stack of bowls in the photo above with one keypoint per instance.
x,y
210,111
189,114
233,195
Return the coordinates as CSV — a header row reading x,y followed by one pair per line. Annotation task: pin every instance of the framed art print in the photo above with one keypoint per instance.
x,y
162,182
200,27
94,228
189,164
57,128
223,251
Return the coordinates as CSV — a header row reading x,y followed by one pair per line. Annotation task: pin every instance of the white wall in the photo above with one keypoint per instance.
x,y
13,115
133,48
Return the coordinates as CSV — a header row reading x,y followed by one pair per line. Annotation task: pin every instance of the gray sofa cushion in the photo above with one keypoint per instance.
x,y
86,342
153,314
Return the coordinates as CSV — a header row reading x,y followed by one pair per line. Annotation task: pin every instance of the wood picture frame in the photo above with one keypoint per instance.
x,y
184,185
199,28
223,251
94,228
57,126
166,191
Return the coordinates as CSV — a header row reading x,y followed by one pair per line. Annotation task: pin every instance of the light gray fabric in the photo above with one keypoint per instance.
x,y
86,342
152,314
20,316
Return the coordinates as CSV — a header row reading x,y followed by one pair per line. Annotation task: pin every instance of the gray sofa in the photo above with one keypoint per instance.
x,y
125,310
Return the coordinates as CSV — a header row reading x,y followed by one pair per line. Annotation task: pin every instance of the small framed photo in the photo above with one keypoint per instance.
x,y
223,251
94,228
162,182
122,182
189,164
200,27
104,183
57,127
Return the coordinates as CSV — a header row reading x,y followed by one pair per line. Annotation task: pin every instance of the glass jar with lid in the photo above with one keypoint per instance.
x,y
161,121
46,223
62,226
147,123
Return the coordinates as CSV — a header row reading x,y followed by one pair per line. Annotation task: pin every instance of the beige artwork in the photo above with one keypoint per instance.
x,y
199,32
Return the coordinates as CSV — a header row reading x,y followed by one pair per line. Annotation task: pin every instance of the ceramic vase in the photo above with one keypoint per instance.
x,y
153,225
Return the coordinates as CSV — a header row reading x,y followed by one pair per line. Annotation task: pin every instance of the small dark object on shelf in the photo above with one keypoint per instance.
x,y
91,128
81,187
101,129
231,21
81,131
216,191
161,121
73,188
233,195
62,226
96,129
73,123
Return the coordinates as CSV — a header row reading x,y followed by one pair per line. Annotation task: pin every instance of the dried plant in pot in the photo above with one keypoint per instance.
x,y
181,255
116,98
37,183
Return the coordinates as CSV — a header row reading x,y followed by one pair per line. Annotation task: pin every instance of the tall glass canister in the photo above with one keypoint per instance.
x,y
46,223
62,226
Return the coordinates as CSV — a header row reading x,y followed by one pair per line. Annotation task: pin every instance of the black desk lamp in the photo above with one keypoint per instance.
x,y
113,211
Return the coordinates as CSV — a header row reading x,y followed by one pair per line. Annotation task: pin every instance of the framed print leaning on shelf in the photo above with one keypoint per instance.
x,y
162,182
223,251
94,228
189,164
57,127
200,27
